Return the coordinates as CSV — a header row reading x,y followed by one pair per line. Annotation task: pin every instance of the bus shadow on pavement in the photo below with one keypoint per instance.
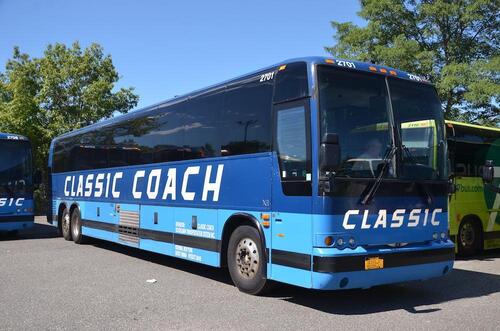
x,y
213,273
414,297
38,231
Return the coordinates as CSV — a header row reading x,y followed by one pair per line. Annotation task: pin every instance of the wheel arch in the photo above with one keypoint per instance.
x,y
233,222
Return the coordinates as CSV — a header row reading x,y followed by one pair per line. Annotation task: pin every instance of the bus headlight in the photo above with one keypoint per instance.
x,y
340,242
443,235
352,242
435,236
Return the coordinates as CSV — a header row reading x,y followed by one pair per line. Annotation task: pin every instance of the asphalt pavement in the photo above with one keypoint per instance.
x,y
47,283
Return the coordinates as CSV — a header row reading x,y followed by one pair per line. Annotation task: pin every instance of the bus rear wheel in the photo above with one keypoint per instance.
x,y
245,260
66,224
469,236
76,226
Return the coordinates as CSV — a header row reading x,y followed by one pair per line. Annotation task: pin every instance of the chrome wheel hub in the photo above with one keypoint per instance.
x,y
65,223
467,236
247,258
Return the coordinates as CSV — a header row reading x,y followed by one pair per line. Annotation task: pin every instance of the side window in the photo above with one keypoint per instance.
x,y
246,118
201,138
165,138
292,143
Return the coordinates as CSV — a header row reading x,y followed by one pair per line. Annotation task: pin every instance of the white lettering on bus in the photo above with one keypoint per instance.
x,y
215,186
153,175
346,225
135,193
397,219
114,192
189,196
98,185
9,202
170,185
158,181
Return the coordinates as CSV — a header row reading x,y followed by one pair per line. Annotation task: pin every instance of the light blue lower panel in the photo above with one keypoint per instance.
x,y
100,234
370,278
292,276
157,246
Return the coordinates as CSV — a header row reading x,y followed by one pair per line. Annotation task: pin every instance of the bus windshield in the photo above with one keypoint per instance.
x,y
15,168
419,120
356,106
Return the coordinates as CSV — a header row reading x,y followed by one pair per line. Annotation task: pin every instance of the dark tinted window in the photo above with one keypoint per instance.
x,y
246,118
470,147
291,82
202,126
231,121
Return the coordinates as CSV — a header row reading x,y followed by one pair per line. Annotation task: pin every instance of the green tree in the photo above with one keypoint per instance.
x,y
453,43
65,89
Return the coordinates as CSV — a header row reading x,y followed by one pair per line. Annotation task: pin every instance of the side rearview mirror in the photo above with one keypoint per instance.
x,y
488,172
330,152
37,178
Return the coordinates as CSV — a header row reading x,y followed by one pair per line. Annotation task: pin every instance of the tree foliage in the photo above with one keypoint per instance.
x,y
453,43
65,89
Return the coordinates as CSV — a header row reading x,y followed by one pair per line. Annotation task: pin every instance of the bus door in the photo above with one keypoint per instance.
x,y
291,198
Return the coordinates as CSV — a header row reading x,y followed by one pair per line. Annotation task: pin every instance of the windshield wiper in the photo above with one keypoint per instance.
x,y
386,161
421,183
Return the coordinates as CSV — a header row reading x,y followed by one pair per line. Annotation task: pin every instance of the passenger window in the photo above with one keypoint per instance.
x,y
201,138
246,119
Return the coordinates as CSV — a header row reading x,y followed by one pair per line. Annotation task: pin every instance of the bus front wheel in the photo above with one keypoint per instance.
x,y
245,260
76,226
469,236
66,224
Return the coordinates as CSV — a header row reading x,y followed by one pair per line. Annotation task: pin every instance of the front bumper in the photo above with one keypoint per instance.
x,y
334,269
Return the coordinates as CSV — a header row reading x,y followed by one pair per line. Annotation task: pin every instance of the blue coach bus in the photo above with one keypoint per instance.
x,y
16,183
317,172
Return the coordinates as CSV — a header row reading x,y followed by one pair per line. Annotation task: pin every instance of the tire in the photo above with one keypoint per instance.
x,y
66,224
246,261
468,238
76,227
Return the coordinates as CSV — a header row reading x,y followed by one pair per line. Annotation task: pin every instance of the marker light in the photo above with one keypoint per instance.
x,y
352,242
372,68
383,70
340,242
283,67
392,72
329,61
328,240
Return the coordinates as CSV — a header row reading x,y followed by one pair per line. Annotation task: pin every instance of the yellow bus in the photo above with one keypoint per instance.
x,y
474,207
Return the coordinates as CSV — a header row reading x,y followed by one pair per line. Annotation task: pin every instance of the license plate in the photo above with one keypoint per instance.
x,y
374,263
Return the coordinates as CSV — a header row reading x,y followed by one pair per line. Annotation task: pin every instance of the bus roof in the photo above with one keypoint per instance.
x,y
475,126
11,136
312,60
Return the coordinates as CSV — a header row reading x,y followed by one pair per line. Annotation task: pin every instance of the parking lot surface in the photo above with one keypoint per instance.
x,y
49,283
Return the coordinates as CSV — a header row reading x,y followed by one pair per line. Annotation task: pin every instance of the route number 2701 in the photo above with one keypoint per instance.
x,y
346,64
267,76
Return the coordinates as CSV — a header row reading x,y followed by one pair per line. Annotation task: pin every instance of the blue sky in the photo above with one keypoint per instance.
x,y
167,48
